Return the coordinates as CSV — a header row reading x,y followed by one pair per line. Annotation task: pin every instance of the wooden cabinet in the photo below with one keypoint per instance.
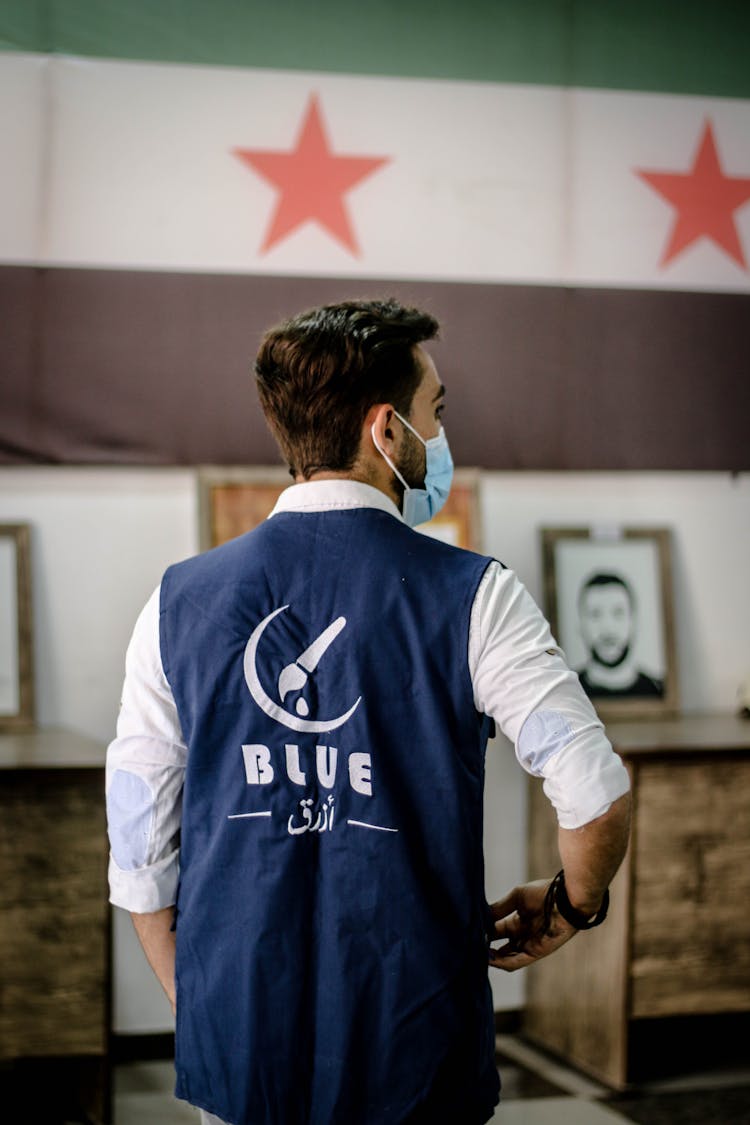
x,y
54,925
677,939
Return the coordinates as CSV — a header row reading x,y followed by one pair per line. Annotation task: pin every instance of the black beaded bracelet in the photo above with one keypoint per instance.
x,y
557,896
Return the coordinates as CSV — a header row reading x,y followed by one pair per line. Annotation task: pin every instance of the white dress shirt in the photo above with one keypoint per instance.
x,y
519,676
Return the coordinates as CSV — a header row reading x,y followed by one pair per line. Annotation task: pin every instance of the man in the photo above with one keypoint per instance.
x,y
303,727
606,610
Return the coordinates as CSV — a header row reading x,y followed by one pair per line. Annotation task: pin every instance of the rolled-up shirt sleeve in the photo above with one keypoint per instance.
x,y
522,681
144,778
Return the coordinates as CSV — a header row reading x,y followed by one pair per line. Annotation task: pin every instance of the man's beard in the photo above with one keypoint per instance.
x,y
608,662
412,465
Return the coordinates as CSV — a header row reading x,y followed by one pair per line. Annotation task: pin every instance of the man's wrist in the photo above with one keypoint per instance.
x,y
585,918
582,903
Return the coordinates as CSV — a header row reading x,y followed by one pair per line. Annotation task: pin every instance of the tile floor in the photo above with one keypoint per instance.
x,y
537,1091
143,1094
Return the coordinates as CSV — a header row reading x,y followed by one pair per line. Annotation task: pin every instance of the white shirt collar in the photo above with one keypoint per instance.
x,y
333,495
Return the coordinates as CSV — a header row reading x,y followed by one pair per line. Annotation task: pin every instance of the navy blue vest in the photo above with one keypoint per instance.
x,y
331,918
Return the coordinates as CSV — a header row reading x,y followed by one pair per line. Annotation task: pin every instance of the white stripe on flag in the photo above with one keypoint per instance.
x,y
131,165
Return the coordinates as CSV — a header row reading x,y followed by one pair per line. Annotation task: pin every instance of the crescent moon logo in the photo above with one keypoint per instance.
x,y
264,701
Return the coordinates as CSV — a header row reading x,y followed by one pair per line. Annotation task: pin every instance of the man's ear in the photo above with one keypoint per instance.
x,y
379,421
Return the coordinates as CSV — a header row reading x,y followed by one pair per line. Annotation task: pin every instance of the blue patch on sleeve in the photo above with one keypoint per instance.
x,y
544,734
130,813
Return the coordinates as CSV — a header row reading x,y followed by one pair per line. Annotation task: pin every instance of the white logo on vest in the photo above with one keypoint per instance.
x,y
261,771
292,678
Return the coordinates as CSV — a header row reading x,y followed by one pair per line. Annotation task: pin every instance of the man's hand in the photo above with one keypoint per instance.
x,y
590,856
519,917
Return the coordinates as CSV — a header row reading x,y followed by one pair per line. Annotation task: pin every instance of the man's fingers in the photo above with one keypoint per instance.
x,y
509,959
505,906
511,955
518,919
527,899
509,927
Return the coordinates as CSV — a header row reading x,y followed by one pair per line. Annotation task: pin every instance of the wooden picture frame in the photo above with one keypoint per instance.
x,y
16,652
231,501
608,598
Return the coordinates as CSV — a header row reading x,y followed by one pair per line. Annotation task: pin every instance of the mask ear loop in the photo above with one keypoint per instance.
x,y
410,427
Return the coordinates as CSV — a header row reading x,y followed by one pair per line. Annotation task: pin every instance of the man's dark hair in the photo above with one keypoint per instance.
x,y
319,374
606,578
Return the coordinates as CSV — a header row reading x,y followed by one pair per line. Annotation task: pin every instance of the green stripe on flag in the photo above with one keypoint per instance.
x,y
678,46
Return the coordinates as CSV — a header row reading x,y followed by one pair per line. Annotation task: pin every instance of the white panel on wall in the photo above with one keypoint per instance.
x,y
709,514
100,541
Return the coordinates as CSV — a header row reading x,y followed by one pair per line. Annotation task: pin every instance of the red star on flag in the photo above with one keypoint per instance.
x,y
311,181
705,200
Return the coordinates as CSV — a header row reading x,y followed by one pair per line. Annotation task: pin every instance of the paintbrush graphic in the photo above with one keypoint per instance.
x,y
294,676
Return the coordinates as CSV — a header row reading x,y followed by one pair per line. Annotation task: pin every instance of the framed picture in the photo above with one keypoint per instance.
x,y
16,663
608,597
232,501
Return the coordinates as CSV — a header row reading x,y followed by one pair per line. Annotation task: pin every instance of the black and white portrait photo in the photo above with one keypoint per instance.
x,y
608,622
608,601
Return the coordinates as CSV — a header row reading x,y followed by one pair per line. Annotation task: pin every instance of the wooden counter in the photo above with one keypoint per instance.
x,y
677,939
55,920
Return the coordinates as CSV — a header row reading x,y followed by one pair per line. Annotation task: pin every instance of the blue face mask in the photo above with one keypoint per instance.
x,y
421,504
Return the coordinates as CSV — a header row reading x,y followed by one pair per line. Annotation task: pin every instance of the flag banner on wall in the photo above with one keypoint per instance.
x,y
586,249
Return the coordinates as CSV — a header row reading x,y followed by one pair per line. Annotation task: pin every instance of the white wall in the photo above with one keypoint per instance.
x,y
101,539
